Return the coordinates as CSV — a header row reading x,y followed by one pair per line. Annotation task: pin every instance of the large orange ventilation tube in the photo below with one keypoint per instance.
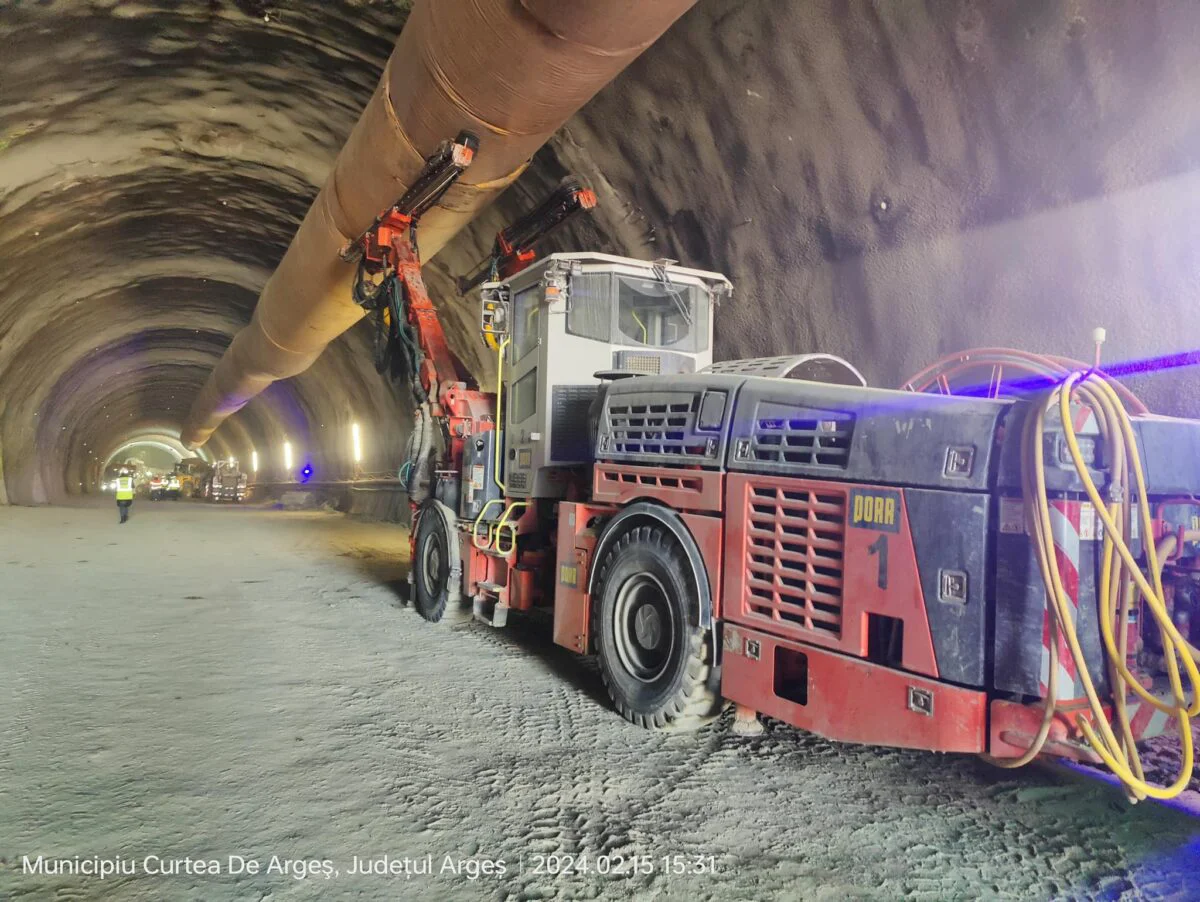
x,y
510,71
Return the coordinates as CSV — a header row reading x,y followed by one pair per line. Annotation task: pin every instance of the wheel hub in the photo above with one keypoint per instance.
x,y
644,628
647,627
431,566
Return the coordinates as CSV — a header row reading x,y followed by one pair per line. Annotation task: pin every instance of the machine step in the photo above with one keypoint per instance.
x,y
490,611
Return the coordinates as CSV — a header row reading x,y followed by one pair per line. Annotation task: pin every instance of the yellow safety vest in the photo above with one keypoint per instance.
x,y
125,488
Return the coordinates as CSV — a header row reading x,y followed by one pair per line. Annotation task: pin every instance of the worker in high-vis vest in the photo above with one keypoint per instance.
x,y
124,493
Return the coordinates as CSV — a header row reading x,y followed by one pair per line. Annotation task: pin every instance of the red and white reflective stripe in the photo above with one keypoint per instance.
x,y
1064,530
1084,420
1146,721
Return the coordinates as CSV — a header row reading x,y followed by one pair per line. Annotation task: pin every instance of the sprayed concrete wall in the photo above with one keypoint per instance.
x,y
895,181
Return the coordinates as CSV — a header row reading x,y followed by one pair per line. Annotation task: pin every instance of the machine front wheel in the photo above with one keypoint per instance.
x,y
433,557
657,665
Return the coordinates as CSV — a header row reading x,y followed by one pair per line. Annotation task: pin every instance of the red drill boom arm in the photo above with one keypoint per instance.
x,y
514,248
388,249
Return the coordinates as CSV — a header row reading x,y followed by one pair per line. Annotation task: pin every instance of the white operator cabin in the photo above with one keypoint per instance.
x,y
572,318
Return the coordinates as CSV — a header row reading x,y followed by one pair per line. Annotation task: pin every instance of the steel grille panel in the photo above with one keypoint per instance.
x,y
794,549
813,367
656,419
658,426
753,366
783,435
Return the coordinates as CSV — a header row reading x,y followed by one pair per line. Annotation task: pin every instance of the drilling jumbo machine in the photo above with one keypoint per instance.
x,y
1009,576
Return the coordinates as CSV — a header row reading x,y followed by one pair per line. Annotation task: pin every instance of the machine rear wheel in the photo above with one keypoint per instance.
x,y
433,556
656,664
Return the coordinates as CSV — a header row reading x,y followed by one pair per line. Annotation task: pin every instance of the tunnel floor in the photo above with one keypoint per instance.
x,y
213,681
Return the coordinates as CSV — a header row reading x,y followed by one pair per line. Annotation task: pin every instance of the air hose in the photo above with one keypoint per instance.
x,y
1121,580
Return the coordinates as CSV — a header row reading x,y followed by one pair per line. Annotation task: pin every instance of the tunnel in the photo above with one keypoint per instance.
x,y
890,183
114,319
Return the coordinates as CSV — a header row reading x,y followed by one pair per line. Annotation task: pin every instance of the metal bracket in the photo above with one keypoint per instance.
x,y
920,701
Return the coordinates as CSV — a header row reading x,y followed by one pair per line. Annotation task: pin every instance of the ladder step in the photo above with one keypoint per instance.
x,y
492,552
496,617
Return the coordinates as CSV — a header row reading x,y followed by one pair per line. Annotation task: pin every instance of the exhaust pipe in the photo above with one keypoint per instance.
x,y
511,72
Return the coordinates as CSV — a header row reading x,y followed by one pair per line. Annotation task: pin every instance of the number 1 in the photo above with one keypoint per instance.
x,y
879,546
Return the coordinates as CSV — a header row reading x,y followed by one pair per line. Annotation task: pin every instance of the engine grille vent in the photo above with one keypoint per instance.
x,y
662,427
795,544
570,434
803,437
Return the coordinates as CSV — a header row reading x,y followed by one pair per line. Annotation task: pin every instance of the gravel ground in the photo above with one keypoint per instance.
x,y
206,682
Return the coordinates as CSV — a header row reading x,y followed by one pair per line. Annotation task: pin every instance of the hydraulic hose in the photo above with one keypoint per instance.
x,y
498,463
1165,548
493,536
417,464
1033,485
1004,364
1121,581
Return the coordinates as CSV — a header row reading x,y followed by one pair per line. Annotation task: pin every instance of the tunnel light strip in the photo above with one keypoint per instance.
x,y
354,431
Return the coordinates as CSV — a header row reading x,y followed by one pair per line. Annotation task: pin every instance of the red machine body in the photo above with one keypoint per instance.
x,y
855,562
800,639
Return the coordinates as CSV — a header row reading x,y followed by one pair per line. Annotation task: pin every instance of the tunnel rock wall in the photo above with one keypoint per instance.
x,y
893,181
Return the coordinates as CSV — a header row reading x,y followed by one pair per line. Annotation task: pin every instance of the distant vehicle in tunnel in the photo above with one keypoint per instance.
x,y
226,482
191,473
875,566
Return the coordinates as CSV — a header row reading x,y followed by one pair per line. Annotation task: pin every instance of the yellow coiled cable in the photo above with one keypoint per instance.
x,y
1120,576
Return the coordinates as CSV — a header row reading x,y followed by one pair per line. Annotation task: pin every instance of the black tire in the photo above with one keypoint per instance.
x,y
431,563
656,663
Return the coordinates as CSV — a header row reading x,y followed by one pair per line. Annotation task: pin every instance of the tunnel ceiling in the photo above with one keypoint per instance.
x,y
885,181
